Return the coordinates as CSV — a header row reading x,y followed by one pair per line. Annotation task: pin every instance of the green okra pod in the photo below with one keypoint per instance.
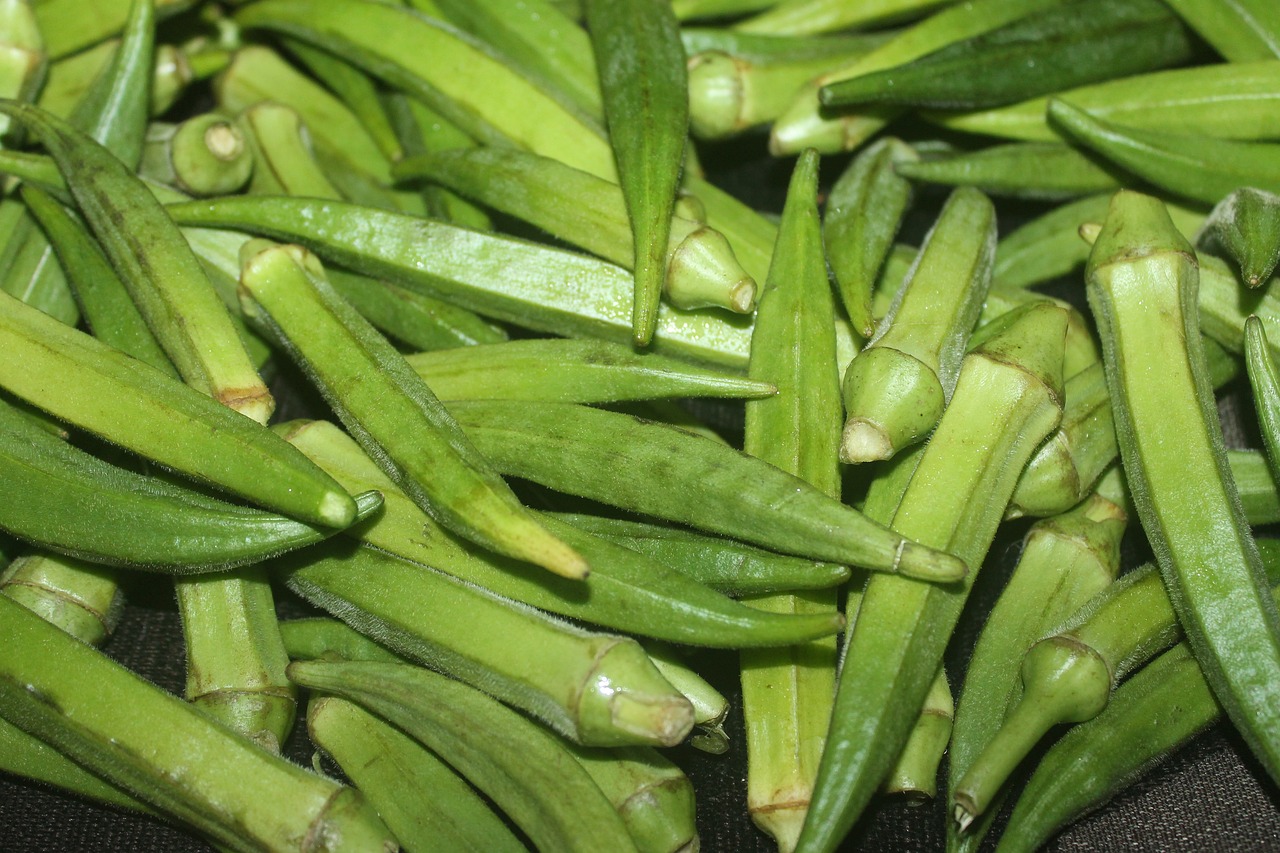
x,y
896,388
699,268
630,592
1034,170
67,29
1197,167
562,446
731,567
143,739
597,689
1007,400
916,772
1251,472
864,210
1048,51
644,88
652,796
1264,381
1241,31
538,287
204,155
1246,224
1228,101
23,61
694,9
114,107
710,708
320,638
523,769
1142,288
393,413
29,268
805,17
80,598
425,803
560,370
143,410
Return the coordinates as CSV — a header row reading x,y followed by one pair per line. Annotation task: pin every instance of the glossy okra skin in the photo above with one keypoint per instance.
x,y
391,411
595,688
165,752
1246,225
896,388
425,803
864,210
644,88
504,278
143,410
629,592
1242,31
1142,283
787,692
561,446
522,768
1008,398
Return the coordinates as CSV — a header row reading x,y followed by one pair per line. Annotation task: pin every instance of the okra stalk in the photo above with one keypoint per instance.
x,y
1142,286
896,388
651,795
204,155
916,772
1007,399
80,598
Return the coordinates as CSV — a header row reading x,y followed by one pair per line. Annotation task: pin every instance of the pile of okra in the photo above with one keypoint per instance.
x,y
477,238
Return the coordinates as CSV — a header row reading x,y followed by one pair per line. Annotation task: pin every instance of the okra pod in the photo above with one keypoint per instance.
x,y
806,17
710,708
1007,400
915,773
80,598
30,268
204,155
1246,224
1142,287
320,638
652,796
1034,170
521,768
68,27
22,56
1241,31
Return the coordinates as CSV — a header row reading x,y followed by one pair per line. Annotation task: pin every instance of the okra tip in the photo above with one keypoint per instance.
x,y
337,509
927,564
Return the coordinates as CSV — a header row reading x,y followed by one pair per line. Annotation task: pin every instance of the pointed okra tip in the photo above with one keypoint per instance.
x,y
1137,226
927,564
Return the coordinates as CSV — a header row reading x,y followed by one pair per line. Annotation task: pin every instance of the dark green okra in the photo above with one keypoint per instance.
x,y
645,91
143,410
425,803
1246,225
1142,287
390,410
538,287
1007,400
143,739
1059,48
896,388
1197,167
864,210
629,592
564,446
1032,170
523,769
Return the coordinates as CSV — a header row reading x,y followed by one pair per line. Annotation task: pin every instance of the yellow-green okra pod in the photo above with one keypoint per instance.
x,y
1241,31
699,268
628,592
806,17
915,774
598,689
67,29
22,58
652,796
1246,225
896,388
1142,288
787,692
391,410
1007,400
694,9
645,92
425,803
564,446
710,707
523,769
143,739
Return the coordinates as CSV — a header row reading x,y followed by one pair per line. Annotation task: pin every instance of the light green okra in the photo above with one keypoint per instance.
x,y
23,61
29,268
1242,30
80,598
916,772
805,17
652,796
1033,170
710,708
67,26
204,155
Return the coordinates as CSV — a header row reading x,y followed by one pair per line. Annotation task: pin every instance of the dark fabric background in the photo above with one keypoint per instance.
x,y
1211,796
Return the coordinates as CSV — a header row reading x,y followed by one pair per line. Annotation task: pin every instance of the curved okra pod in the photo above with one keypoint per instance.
x,y
80,598
896,388
720,489
1034,170
66,30
699,268
630,592
523,769
1246,224
162,273
422,801
787,692
1241,31
204,155
391,410
723,564
916,772
1060,48
645,91
651,795
1007,400
1197,167
141,409
864,210
1228,101
138,737
1142,287
1065,561
561,370
538,287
